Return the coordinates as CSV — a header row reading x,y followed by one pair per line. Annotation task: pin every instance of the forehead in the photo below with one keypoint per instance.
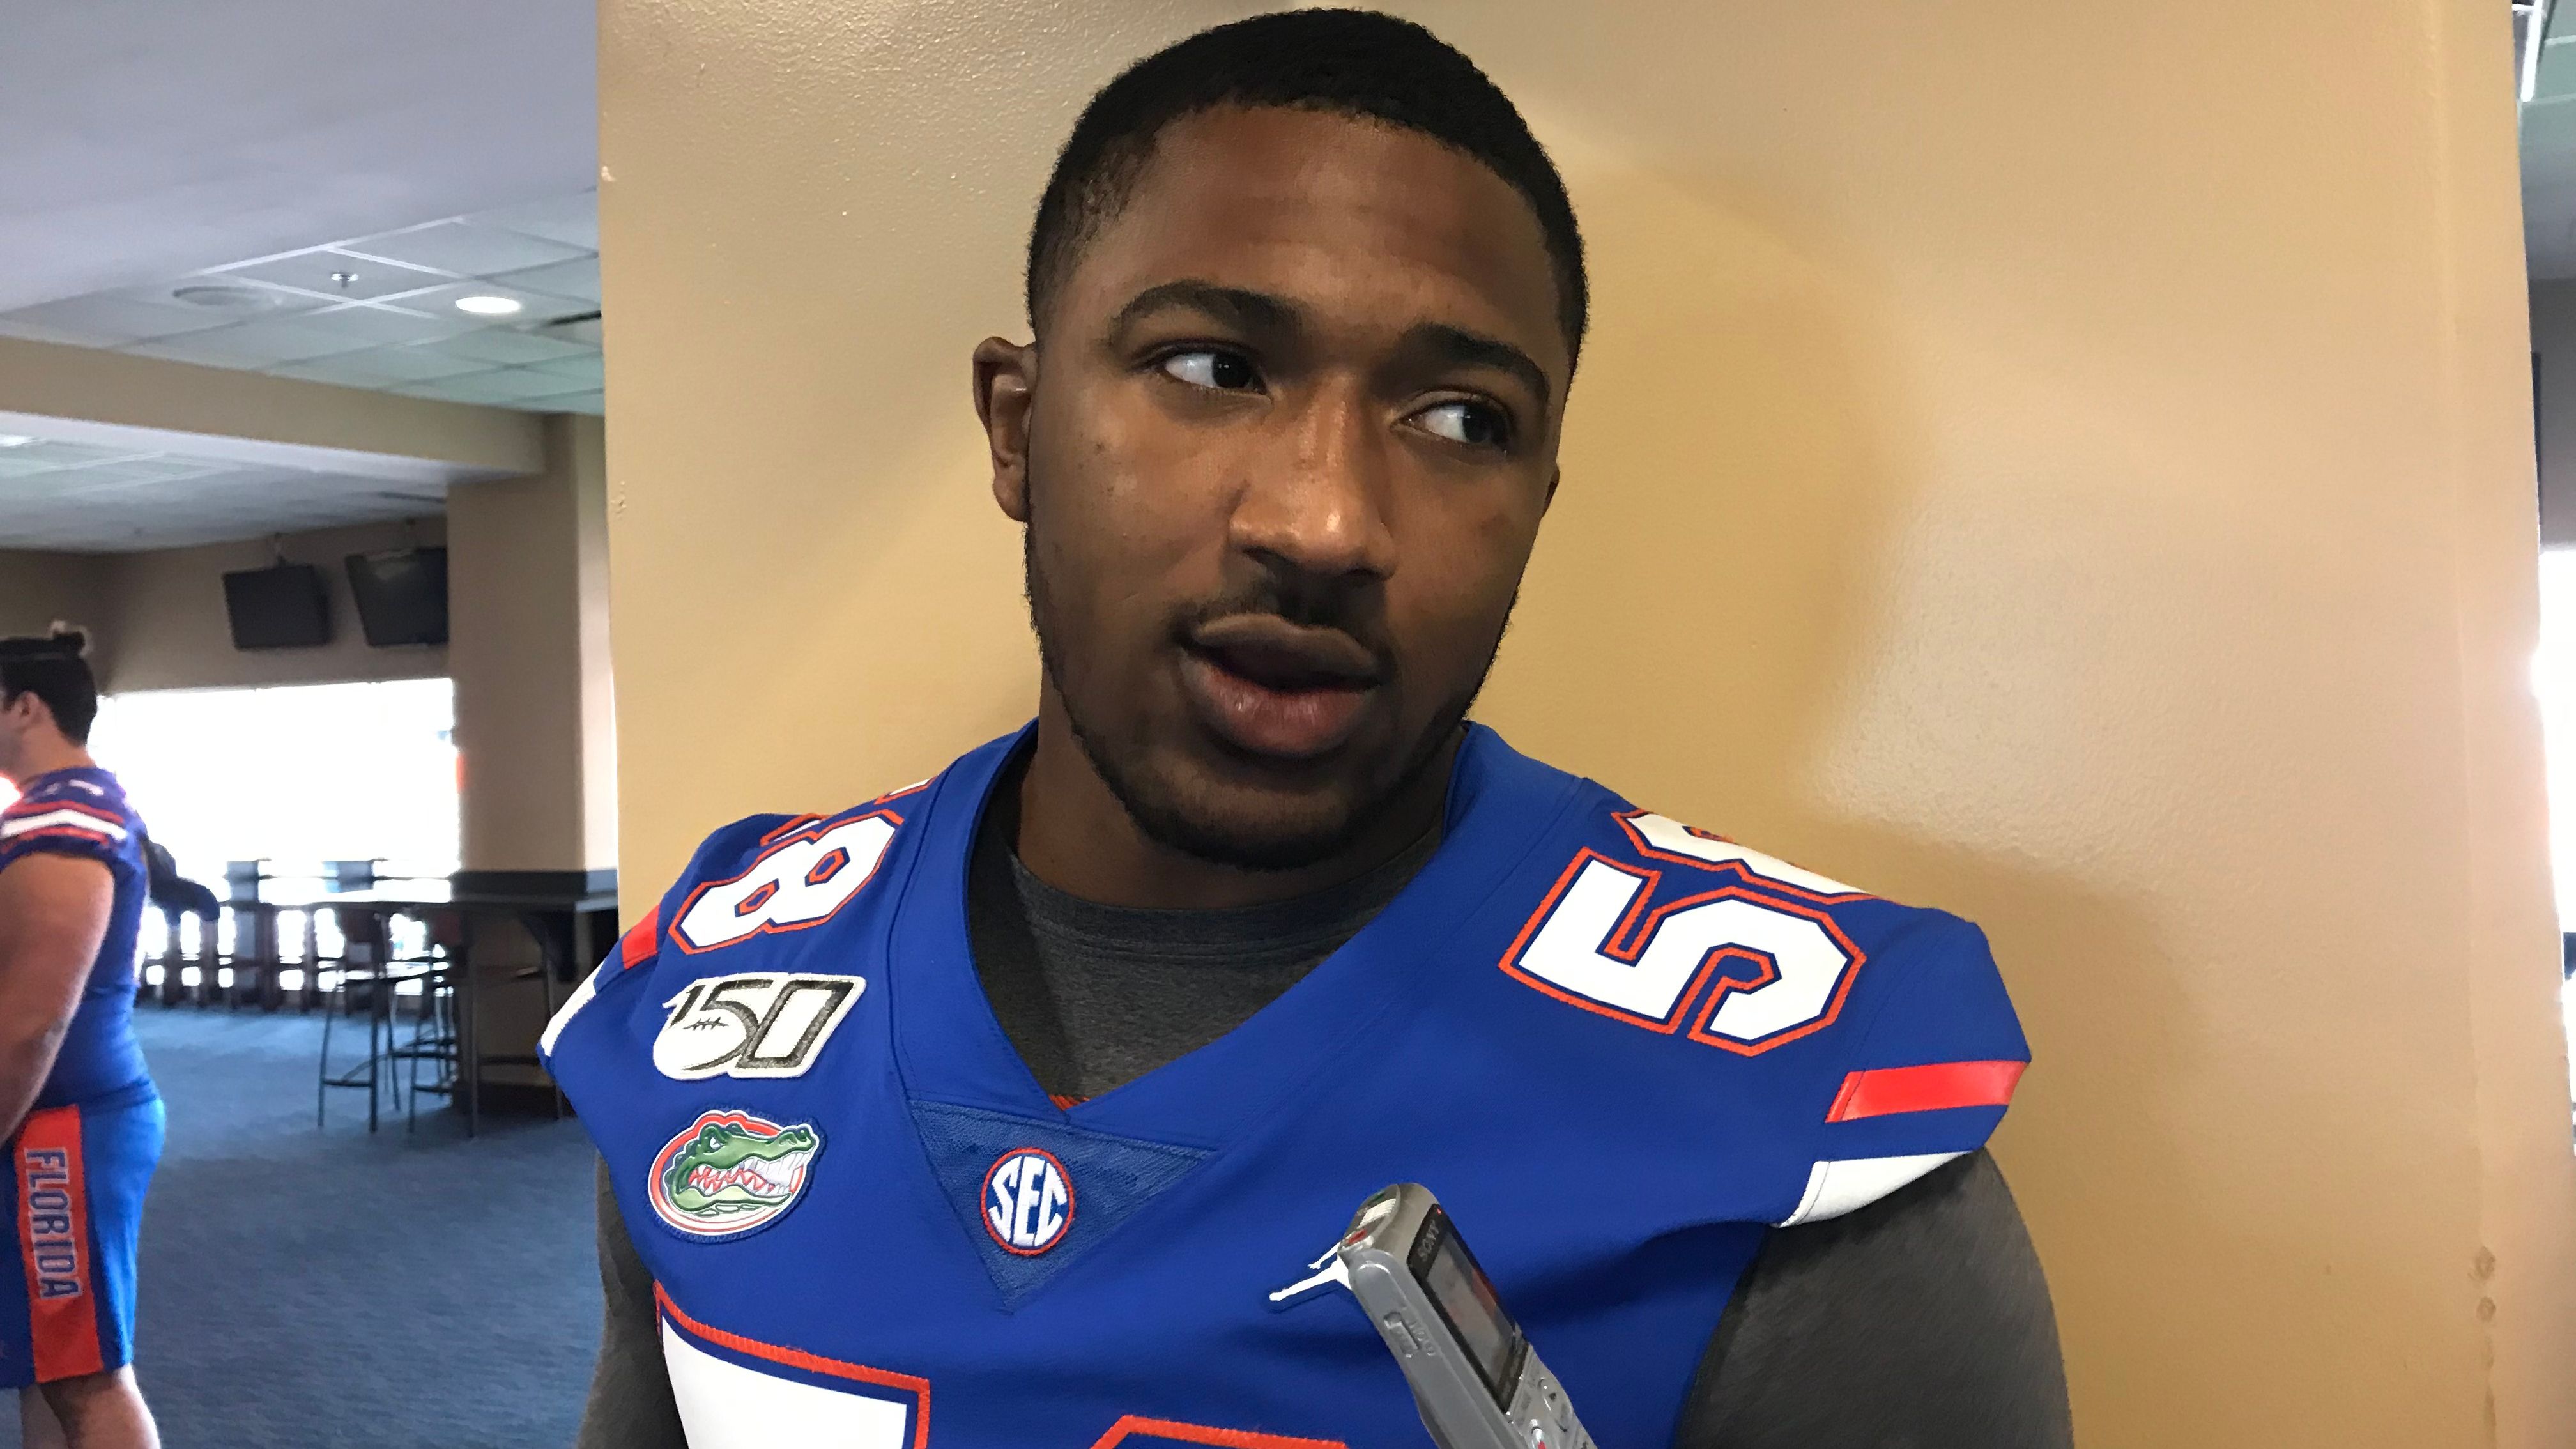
x,y
1357,221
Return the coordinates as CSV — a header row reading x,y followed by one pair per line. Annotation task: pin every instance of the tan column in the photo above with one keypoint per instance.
x,y
2070,464
527,590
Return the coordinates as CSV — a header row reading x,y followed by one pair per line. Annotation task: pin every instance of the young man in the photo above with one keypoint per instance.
x,y
1037,1089
83,1120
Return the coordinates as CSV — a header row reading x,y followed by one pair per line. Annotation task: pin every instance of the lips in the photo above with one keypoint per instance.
x,y
1273,688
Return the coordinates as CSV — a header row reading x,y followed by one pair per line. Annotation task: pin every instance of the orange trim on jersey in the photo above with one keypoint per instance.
x,y
793,822
1202,1434
814,827
1628,939
810,1362
53,1242
1853,958
1628,822
637,946
1064,1103
26,805
1885,1091
61,832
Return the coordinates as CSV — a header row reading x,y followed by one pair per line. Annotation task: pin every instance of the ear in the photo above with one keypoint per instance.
x,y
1006,377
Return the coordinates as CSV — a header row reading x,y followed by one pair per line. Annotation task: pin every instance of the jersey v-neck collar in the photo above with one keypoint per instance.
x,y
951,1048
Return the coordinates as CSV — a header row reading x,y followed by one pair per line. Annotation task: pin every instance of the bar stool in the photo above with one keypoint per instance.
x,y
363,984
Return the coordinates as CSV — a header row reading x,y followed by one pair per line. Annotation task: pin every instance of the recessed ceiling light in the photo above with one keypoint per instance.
x,y
488,306
225,297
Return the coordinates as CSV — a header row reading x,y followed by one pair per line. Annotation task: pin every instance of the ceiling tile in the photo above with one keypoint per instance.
x,y
577,372
380,367
463,248
504,345
572,220
503,385
30,332
378,323
595,403
46,454
316,272
107,320
254,344
576,278
165,468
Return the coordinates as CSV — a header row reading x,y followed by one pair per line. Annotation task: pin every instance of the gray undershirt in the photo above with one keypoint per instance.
x,y
1096,996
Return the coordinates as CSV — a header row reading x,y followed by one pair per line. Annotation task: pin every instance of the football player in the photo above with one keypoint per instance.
x,y
1020,1109
83,1119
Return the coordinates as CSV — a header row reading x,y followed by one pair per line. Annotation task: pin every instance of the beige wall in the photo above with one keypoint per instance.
x,y
2069,464
39,589
164,625
527,607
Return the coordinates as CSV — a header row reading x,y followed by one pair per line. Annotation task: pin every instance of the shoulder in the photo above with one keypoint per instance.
x,y
757,879
768,873
70,814
1872,1039
1645,911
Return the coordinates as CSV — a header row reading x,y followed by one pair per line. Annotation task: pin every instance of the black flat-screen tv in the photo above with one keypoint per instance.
x,y
277,608
402,595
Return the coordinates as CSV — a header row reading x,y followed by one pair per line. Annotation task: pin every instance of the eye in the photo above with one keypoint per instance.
x,y
1206,367
1479,425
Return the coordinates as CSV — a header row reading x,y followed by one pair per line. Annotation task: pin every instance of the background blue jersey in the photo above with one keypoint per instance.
x,y
1619,1049
83,812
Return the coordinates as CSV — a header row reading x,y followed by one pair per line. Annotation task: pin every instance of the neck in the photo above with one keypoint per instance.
x,y
1076,836
43,757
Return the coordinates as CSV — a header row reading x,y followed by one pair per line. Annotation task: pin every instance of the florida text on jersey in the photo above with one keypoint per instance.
x,y
1620,1049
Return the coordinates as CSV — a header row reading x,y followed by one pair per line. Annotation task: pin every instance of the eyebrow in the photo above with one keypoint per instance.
x,y
1443,343
1253,311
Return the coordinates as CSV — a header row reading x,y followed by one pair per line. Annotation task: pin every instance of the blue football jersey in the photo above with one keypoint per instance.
x,y
83,812
1618,1048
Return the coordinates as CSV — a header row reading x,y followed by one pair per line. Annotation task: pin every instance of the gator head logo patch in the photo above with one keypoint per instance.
x,y
731,1173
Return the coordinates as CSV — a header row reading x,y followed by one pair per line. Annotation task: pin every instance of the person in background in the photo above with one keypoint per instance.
x,y
83,1122
175,897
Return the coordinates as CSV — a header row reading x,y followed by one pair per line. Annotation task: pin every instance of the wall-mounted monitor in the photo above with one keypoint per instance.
x,y
402,595
277,608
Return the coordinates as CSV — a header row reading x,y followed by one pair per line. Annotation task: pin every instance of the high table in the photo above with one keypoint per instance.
x,y
537,909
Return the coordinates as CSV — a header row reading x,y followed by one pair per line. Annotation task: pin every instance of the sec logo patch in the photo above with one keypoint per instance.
x,y
730,1173
1028,1201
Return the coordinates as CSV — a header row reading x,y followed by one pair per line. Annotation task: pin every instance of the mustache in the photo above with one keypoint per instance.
x,y
1307,601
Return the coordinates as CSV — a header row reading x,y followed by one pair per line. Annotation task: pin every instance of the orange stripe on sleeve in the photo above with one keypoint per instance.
x,y
53,1240
1890,1090
641,938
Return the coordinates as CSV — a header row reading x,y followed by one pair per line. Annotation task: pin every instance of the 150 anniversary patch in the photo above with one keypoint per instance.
x,y
756,1024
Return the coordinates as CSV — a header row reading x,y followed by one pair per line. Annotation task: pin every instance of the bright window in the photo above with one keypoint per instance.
x,y
296,775
2553,678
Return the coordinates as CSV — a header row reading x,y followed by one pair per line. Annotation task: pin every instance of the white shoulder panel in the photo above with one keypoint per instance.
x,y
1835,1188
726,1406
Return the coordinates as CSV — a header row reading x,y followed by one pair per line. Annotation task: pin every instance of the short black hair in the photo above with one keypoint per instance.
x,y
53,670
1357,63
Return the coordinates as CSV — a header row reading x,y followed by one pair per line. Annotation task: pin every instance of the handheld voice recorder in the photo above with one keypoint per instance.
x,y
1475,1378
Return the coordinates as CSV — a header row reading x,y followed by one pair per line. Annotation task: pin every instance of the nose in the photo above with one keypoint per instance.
x,y
1316,505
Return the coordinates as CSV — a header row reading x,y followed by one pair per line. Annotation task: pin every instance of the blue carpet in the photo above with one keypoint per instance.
x,y
313,1288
